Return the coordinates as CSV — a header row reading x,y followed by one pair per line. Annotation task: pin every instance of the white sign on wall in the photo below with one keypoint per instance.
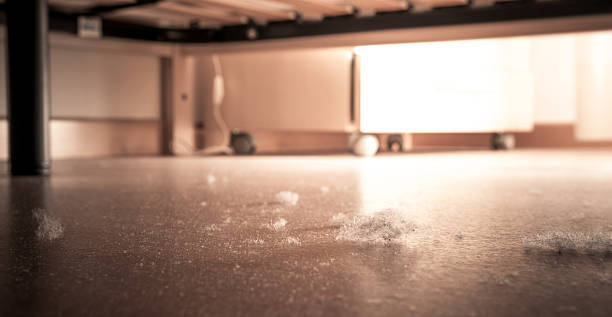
x,y
90,27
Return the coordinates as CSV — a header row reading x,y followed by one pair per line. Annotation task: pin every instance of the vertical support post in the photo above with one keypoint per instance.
x,y
167,95
183,123
28,86
356,93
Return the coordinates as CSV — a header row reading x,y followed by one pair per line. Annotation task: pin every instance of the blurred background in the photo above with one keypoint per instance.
x,y
108,95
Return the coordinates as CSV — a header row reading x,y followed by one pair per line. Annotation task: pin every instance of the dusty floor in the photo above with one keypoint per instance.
x,y
432,234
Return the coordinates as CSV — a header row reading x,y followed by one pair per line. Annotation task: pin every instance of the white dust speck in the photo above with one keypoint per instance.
x,y
578,216
339,218
386,226
324,189
204,204
287,198
212,227
49,227
255,241
227,220
570,242
605,277
211,179
295,241
279,224
274,210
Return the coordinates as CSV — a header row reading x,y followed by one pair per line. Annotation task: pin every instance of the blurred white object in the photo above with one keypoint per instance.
x,y
218,93
483,86
287,198
364,145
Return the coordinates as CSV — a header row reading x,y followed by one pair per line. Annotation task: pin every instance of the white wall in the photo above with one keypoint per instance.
x,y
574,82
554,65
594,86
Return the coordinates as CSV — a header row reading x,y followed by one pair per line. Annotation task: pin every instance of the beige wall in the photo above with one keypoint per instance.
x,y
3,139
87,84
96,138
102,79
291,91
106,93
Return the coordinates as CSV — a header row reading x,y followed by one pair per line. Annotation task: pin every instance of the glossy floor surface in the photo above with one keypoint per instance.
x,y
523,233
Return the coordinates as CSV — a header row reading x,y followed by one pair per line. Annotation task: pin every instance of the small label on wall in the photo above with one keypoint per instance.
x,y
90,27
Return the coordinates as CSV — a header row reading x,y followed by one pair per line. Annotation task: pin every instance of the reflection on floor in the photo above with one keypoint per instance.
x,y
462,233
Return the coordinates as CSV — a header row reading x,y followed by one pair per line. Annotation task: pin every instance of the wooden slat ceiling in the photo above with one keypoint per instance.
x,y
218,13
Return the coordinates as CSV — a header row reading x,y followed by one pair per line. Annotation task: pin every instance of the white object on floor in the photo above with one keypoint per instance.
x,y
578,242
388,226
218,94
49,227
279,224
292,240
287,198
338,218
365,145
255,241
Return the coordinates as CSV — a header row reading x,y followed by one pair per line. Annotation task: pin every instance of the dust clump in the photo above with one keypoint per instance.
x,y
255,241
605,278
387,226
278,225
274,210
211,179
338,219
324,189
49,227
570,242
287,198
294,241
212,227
